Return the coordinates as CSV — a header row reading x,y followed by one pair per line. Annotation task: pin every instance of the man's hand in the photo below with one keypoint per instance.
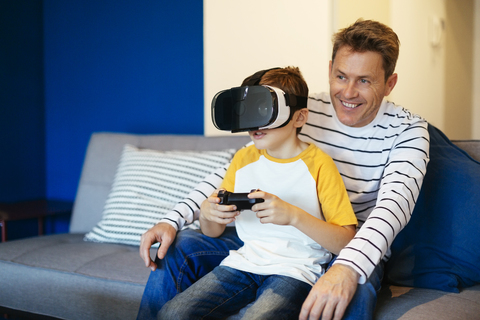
x,y
161,232
331,294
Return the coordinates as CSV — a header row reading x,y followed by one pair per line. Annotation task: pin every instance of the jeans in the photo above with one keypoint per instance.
x,y
225,291
190,257
193,255
363,302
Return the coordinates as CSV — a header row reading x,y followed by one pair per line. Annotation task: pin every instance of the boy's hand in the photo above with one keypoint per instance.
x,y
273,209
221,214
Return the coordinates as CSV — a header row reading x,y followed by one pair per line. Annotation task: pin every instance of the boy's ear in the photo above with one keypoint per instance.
x,y
300,117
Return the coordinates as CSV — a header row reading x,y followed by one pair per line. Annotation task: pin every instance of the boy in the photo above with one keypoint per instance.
x,y
305,217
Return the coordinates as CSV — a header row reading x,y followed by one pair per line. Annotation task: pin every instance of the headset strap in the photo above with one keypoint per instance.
x,y
297,102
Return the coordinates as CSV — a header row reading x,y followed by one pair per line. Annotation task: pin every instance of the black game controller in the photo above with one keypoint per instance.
x,y
239,199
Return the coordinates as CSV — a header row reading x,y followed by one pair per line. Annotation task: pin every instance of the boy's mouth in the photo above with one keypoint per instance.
x,y
258,134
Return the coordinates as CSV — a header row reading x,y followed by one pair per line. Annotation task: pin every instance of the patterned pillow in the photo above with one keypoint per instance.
x,y
147,184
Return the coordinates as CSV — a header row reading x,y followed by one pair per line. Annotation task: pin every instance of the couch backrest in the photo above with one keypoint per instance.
x,y
472,147
104,151
103,155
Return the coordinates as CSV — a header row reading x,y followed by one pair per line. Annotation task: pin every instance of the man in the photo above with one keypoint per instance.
x,y
381,151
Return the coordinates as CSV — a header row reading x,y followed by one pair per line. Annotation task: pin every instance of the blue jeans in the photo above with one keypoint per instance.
x,y
225,291
191,256
363,302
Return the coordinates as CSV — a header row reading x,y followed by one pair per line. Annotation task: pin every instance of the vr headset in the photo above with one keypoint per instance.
x,y
254,107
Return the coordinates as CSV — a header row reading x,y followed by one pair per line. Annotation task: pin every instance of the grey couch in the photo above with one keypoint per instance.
x,y
62,276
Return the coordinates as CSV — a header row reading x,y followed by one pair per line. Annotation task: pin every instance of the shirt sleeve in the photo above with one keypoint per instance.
x,y
399,189
333,196
188,210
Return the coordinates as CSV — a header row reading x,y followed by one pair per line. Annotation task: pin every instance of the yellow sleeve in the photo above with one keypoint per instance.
x,y
228,182
333,196
242,158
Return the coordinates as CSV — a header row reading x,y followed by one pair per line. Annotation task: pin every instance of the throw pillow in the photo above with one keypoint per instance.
x,y
147,184
440,246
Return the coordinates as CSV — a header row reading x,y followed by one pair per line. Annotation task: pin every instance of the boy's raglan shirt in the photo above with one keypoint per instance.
x,y
309,181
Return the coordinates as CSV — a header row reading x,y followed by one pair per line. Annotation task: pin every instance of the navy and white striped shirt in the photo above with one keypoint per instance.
x,y
382,165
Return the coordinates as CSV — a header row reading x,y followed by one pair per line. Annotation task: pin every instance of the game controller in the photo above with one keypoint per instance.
x,y
238,199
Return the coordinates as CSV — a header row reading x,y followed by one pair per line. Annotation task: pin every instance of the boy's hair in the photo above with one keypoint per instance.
x,y
288,79
369,35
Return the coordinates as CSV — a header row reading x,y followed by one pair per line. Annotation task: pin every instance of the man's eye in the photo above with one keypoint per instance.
x,y
364,81
341,77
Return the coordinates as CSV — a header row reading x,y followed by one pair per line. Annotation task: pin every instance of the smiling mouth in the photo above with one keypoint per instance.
x,y
350,105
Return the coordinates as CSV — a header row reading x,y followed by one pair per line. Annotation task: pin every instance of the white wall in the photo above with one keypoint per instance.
x,y
348,11
420,66
476,74
244,36
241,37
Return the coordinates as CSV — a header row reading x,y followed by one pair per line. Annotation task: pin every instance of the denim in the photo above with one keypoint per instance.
x,y
225,291
362,306
193,255
190,257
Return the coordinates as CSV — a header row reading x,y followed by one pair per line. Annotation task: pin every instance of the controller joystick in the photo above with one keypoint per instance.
x,y
240,200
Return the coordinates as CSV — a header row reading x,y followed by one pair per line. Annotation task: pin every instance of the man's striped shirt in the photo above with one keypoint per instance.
x,y
382,165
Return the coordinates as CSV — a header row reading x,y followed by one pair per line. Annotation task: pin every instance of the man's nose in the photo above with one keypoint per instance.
x,y
350,90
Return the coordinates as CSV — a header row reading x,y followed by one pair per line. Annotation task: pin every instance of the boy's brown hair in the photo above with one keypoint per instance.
x,y
288,79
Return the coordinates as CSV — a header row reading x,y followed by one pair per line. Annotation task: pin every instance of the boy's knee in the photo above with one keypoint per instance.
x,y
172,311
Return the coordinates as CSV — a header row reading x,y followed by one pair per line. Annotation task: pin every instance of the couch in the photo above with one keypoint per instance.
x,y
62,276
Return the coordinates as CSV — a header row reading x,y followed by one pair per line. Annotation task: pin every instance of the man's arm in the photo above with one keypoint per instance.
x,y
184,213
399,190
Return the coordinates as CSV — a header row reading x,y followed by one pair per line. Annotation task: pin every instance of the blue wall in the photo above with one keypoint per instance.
x,y
70,68
22,111
110,65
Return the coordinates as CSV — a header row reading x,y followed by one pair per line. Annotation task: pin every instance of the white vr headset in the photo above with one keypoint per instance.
x,y
254,107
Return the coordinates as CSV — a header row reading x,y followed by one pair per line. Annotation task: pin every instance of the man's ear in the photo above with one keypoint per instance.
x,y
300,117
390,84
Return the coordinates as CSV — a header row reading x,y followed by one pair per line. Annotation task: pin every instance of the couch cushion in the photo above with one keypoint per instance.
x,y
406,303
89,259
440,246
64,277
147,185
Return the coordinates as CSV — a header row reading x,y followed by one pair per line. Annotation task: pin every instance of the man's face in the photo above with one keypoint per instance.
x,y
357,86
